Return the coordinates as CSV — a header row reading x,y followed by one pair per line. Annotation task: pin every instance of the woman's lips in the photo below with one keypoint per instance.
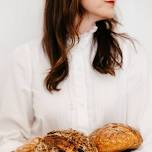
x,y
110,2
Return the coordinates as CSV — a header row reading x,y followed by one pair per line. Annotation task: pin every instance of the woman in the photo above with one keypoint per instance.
x,y
83,75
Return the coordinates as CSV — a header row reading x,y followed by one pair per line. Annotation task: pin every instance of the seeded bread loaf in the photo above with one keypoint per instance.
x,y
116,137
59,141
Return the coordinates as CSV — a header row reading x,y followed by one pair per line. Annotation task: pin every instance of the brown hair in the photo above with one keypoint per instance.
x,y
59,25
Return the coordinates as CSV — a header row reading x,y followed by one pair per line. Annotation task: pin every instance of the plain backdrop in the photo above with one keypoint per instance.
x,y
21,21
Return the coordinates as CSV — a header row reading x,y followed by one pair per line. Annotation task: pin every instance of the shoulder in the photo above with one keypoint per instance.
x,y
32,46
23,57
134,54
27,52
135,62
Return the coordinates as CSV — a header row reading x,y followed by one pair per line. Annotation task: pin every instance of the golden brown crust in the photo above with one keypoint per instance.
x,y
30,145
61,140
70,141
116,137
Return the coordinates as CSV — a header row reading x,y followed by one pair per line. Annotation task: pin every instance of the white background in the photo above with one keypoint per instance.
x,y
21,21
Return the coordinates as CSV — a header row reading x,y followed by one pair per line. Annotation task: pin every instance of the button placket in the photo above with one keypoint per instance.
x,y
79,103
80,90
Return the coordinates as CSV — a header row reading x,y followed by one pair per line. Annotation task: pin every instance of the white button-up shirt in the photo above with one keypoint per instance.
x,y
87,99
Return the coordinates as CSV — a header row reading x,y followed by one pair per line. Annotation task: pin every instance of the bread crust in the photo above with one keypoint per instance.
x,y
60,141
116,137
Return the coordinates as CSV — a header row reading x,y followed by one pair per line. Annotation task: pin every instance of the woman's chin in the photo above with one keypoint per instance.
x,y
109,15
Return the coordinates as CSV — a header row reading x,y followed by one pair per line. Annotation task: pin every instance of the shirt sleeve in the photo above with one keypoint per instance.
x,y
16,113
139,97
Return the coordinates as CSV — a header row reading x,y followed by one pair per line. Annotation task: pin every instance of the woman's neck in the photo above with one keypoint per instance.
x,y
86,24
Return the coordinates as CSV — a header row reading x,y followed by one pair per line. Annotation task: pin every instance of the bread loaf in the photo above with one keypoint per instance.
x,y
59,141
116,137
